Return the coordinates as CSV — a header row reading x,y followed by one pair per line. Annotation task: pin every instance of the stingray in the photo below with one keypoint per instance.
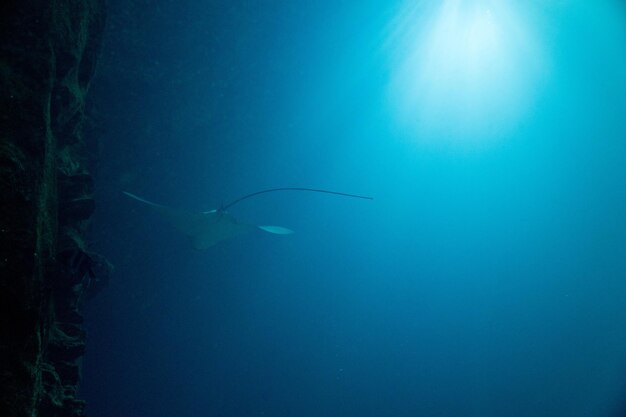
x,y
207,228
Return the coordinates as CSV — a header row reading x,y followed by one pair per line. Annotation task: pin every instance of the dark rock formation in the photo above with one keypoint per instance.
x,y
48,53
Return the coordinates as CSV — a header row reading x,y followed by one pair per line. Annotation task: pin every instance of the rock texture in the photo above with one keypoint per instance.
x,y
48,53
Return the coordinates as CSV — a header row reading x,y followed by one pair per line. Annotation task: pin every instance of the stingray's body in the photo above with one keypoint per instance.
x,y
207,228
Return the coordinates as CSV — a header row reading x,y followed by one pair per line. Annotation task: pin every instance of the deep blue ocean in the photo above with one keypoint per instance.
x,y
487,277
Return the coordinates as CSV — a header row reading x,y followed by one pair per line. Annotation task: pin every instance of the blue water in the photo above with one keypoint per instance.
x,y
487,278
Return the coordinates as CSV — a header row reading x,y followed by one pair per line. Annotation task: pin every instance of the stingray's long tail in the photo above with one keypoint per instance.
x,y
293,189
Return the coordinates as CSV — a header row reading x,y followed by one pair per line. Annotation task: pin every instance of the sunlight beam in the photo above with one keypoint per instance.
x,y
462,73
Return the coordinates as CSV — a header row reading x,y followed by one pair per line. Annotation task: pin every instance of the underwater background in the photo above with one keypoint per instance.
x,y
486,278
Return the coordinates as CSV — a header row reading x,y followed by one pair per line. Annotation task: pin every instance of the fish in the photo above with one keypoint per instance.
x,y
207,228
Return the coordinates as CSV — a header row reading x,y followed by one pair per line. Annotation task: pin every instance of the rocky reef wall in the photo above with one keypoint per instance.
x,y
48,54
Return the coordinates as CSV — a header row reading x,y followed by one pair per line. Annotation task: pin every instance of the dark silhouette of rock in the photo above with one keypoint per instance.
x,y
48,54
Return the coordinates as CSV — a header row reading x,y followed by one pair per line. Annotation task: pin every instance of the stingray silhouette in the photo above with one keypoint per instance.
x,y
207,228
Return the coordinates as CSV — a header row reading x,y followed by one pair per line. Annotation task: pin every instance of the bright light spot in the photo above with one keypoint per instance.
x,y
464,73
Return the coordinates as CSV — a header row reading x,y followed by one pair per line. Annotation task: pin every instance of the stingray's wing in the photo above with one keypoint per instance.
x,y
186,222
277,230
